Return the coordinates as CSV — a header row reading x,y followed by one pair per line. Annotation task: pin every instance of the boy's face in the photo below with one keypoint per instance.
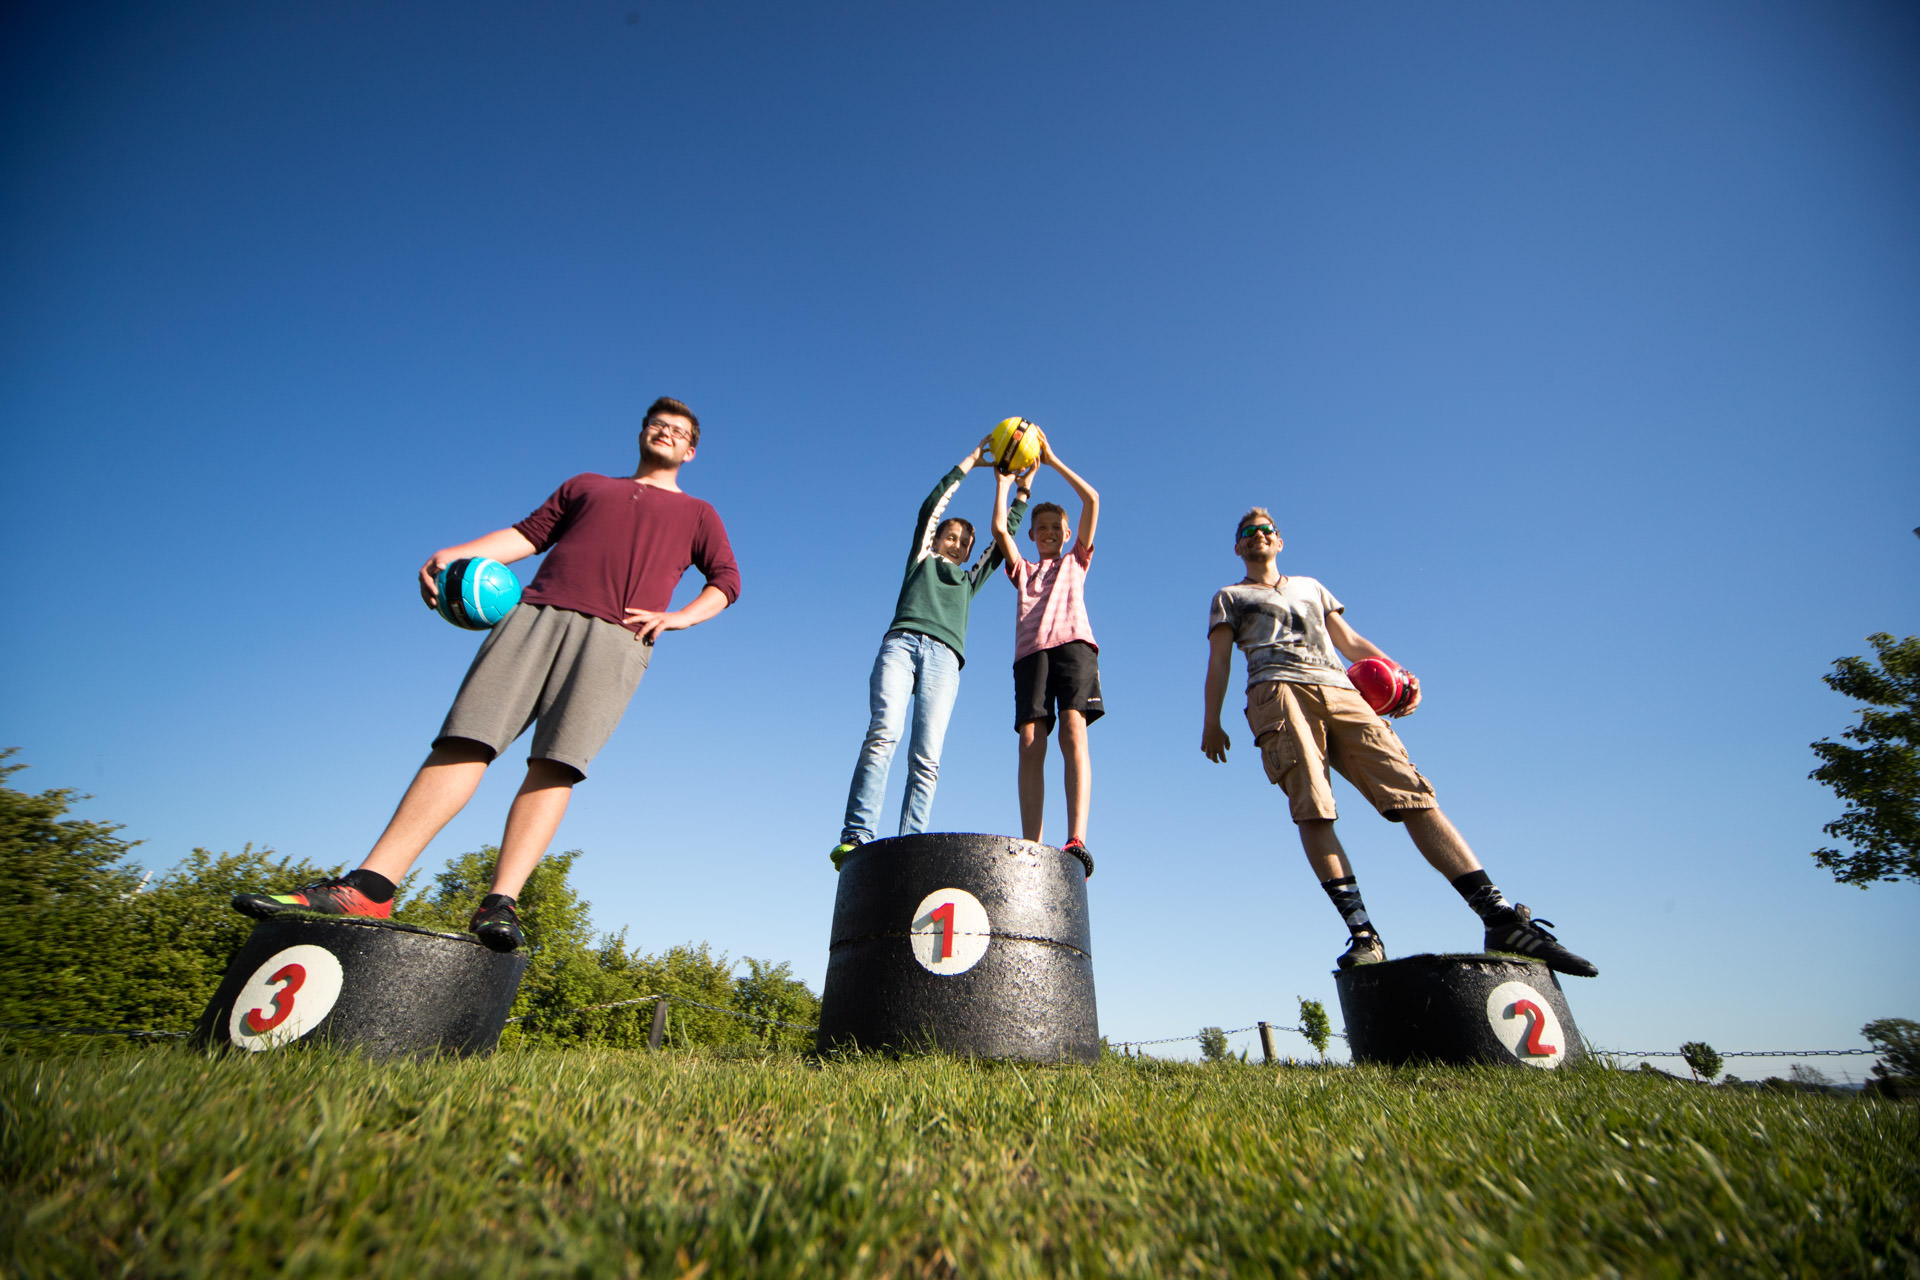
x,y
1049,533
950,543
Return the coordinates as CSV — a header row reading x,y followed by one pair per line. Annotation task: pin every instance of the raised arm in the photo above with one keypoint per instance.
x,y
1213,739
1089,497
505,545
936,504
1002,536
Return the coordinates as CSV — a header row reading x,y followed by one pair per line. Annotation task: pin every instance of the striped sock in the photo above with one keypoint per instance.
x,y
1345,893
1484,896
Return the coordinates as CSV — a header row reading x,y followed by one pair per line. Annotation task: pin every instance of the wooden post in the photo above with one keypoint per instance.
x,y
1266,1040
659,1023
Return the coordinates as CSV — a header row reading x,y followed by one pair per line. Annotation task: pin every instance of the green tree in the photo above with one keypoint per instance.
x,y
64,890
1879,779
85,946
1213,1044
1898,1042
1701,1059
1314,1025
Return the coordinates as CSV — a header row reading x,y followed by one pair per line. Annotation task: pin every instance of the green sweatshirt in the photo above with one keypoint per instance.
x,y
937,595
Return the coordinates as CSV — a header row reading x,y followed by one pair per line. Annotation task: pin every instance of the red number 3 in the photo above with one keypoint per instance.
x,y
295,976
1536,1022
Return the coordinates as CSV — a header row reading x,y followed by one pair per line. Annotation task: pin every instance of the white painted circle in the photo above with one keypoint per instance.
x,y
285,998
1526,1023
950,931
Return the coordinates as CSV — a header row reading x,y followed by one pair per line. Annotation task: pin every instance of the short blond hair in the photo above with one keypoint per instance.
x,y
1253,512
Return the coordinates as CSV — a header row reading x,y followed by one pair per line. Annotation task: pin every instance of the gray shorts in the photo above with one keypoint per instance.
x,y
569,675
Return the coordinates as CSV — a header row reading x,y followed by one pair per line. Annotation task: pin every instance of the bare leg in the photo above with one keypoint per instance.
x,y
1033,779
1079,771
532,822
439,790
1324,852
1440,844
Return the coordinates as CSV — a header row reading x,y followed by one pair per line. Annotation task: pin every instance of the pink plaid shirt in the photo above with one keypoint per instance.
x,y
1050,602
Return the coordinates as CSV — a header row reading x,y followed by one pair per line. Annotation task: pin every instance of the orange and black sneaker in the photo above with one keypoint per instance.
x,y
329,897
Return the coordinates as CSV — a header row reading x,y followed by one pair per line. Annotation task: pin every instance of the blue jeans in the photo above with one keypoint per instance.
x,y
908,666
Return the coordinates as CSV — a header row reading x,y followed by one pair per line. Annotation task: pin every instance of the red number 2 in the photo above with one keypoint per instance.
x,y
942,915
1536,1022
295,976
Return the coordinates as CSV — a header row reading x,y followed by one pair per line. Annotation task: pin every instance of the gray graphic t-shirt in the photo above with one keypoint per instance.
x,y
1282,630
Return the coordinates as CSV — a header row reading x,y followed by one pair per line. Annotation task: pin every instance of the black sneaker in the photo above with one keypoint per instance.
x,y
497,926
1523,936
1364,948
1078,848
328,897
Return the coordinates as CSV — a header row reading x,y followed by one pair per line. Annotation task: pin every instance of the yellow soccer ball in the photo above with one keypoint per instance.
x,y
1015,445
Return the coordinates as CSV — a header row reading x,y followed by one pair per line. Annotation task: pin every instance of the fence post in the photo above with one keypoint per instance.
x,y
659,1023
1266,1041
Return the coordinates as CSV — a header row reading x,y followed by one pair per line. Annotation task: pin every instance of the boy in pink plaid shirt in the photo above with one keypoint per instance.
x,y
1056,665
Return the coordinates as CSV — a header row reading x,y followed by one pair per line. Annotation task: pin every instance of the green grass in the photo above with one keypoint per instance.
x,y
164,1162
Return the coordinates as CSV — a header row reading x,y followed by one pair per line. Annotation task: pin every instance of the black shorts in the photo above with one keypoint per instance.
x,y
1066,678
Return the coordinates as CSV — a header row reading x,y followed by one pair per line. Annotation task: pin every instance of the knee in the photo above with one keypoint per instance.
x,y
459,751
543,774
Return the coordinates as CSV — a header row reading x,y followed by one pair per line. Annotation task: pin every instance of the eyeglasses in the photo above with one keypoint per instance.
x,y
673,431
1252,529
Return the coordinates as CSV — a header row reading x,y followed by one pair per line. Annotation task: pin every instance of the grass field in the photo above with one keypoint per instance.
x,y
163,1162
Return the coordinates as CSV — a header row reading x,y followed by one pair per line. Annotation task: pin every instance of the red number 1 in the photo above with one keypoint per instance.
x,y
942,915
1536,1021
295,977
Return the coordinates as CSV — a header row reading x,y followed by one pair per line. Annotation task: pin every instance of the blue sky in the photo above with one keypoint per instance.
x,y
1572,347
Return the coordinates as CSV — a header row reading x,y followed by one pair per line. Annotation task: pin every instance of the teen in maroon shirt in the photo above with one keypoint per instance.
x,y
564,662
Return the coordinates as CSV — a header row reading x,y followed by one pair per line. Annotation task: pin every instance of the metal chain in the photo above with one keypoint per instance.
x,y
1135,1044
94,1031
1742,1053
671,999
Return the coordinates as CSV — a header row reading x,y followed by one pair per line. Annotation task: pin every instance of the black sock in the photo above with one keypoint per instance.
x,y
1484,896
1345,893
375,886
493,900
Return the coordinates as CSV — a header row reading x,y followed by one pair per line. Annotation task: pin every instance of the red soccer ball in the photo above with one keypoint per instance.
x,y
1387,686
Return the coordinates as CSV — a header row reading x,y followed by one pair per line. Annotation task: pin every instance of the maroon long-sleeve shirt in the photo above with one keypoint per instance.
x,y
614,544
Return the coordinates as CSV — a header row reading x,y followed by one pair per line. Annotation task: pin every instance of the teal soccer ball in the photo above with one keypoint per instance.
x,y
477,593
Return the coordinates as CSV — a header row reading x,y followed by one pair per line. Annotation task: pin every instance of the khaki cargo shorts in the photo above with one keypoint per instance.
x,y
1302,728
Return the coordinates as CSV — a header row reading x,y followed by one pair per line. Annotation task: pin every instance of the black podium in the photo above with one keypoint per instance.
x,y
972,944
375,985
1458,1009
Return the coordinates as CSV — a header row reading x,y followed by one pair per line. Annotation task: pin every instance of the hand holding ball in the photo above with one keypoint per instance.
x,y
1388,687
1015,445
476,593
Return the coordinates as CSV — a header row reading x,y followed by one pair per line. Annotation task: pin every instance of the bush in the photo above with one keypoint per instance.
x,y
1314,1024
1701,1059
1898,1040
91,945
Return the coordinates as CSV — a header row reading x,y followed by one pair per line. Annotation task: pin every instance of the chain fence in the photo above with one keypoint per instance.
x,y
1195,1036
